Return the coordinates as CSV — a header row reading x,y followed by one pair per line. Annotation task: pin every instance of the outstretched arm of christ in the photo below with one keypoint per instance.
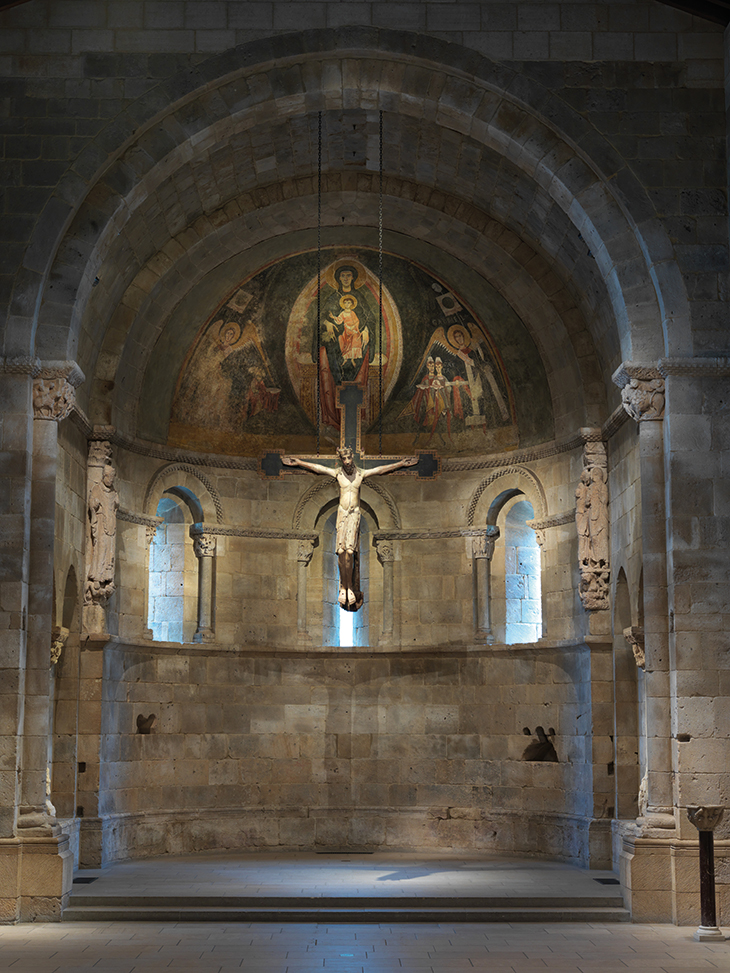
x,y
409,461
312,467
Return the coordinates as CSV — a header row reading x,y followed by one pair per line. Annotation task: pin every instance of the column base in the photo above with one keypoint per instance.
x,y
37,877
709,934
204,635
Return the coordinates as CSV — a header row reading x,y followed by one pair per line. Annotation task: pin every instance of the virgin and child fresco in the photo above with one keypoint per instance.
x,y
263,365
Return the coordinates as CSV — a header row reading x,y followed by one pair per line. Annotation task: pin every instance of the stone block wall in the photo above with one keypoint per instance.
x,y
259,750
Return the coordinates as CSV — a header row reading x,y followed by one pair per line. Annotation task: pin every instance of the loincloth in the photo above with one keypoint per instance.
x,y
348,530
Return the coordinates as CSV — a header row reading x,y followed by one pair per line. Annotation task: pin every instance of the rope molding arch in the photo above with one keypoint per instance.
x,y
191,471
508,471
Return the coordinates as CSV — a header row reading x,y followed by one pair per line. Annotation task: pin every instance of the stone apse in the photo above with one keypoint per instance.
x,y
186,679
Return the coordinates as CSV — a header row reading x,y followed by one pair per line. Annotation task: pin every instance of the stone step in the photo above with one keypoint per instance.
x,y
311,909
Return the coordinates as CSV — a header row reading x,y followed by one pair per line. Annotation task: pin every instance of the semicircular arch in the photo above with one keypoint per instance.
x,y
510,479
593,191
183,476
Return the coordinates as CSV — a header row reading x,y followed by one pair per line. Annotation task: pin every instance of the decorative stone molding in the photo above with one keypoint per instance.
x,y
591,520
305,551
204,545
144,520
407,534
557,521
22,365
274,533
634,635
53,398
537,491
58,641
150,532
705,817
618,418
82,422
185,468
694,367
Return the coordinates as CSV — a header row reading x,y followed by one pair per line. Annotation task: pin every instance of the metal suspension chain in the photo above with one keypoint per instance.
x,y
380,296
319,272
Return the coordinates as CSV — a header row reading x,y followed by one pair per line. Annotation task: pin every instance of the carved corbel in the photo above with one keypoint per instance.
x,y
58,641
634,635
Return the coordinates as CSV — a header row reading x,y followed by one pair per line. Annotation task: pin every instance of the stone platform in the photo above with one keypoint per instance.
x,y
344,887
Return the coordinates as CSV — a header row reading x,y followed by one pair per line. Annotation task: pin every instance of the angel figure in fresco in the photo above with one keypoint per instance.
x,y
344,351
437,397
470,351
349,480
245,366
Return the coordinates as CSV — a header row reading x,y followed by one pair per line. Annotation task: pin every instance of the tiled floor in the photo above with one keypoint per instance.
x,y
258,947
269,948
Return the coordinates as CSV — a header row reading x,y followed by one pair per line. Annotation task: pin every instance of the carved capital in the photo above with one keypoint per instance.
x,y
384,551
204,545
150,533
482,546
58,641
705,818
635,637
644,399
305,551
53,398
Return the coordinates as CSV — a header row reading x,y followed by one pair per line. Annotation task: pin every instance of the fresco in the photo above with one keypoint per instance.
x,y
259,365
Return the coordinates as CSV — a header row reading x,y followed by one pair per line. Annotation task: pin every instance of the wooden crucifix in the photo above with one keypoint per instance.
x,y
350,467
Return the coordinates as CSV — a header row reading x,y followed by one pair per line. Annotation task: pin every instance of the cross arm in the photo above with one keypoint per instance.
x,y
312,467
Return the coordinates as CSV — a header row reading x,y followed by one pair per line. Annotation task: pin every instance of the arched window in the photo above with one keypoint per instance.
x,y
341,627
522,583
172,599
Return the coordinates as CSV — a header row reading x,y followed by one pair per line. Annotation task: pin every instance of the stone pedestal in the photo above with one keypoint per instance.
x,y
36,877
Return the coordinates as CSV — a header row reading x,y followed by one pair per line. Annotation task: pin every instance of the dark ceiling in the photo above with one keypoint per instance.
x,y
717,11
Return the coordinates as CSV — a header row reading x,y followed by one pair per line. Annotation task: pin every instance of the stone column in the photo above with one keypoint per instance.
x,y
482,551
305,551
44,885
150,534
643,399
16,437
204,546
386,557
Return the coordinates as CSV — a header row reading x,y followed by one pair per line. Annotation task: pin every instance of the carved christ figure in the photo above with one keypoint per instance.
x,y
349,479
